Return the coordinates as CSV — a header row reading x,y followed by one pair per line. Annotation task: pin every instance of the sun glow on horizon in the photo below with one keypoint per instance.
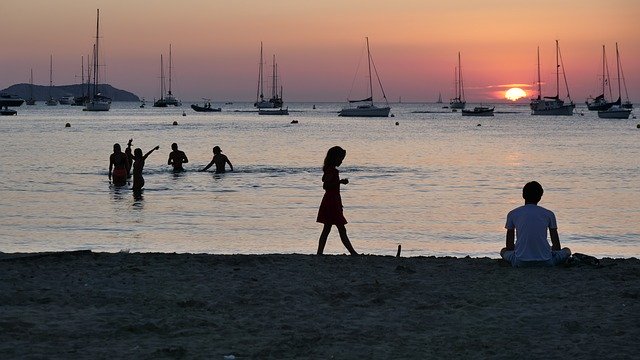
x,y
514,94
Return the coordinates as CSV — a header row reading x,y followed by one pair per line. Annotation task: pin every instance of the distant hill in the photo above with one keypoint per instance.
x,y
41,92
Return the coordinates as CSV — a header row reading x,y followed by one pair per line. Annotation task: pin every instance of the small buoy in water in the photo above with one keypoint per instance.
x,y
184,113
638,126
67,125
397,123
479,125
294,121
314,106
175,123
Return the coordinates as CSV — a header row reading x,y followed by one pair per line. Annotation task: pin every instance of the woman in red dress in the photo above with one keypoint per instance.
x,y
330,212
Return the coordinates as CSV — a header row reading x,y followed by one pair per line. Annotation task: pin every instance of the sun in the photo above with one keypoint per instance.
x,y
514,94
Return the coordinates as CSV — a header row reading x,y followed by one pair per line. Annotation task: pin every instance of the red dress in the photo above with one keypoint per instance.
x,y
330,211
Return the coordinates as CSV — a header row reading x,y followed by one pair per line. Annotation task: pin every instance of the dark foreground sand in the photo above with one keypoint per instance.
x,y
96,306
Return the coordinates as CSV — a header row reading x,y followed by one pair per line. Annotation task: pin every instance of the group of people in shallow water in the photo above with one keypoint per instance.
x,y
527,225
125,165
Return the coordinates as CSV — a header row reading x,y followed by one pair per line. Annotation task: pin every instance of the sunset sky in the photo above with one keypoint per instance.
x,y
318,45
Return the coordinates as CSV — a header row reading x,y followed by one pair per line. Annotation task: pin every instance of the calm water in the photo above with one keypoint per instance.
x,y
436,183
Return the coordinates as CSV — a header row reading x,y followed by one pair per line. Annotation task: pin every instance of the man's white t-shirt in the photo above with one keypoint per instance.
x,y
531,223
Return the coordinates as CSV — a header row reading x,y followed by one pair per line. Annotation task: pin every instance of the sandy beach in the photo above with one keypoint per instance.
x,y
84,305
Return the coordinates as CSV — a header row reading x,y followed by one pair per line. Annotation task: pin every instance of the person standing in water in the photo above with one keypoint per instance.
x,y
330,212
118,164
129,154
177,158
138,165
220,160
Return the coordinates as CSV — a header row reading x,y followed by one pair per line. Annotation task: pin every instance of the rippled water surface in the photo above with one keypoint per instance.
x,y
437,183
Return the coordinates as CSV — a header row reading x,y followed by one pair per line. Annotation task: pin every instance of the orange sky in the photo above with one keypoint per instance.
x,y
318,45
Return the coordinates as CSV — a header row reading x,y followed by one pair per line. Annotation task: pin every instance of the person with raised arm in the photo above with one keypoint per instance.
x,y
138,165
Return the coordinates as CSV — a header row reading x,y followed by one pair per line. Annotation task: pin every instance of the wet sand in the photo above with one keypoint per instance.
x,y
85,305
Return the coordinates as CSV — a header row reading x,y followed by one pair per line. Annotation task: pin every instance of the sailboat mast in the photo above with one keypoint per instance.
x,y
460,84
96,71
50,74
564,74
170,65
82,73
618,67
603,70
31,85
624,83
557,70
370,79
455,83
274,84
161,78
539,83
88,75
261,76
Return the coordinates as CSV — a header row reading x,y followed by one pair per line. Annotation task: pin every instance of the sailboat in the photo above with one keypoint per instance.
x,y
599,102
552,105
626,104
275,101
81,100
31,100
458,102
616,111
51,101
169,98
367,108
439,99
96,101
161,102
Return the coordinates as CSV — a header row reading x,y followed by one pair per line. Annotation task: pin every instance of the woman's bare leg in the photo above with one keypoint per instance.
x,y
323,238
345,239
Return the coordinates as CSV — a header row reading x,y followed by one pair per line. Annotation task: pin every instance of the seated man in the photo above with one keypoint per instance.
x,y
530,223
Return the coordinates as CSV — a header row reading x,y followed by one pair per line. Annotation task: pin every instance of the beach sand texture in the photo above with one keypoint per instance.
x,y
84,305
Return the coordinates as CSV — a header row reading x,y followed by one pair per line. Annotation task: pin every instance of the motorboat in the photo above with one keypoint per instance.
x,y
205,108
614,112
479,111
66,100
284,111
10,100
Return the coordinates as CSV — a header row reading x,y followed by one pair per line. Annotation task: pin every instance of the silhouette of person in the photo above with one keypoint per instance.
x,y
530,223
177,158
330,212
118,164
220,160
138,165
127,151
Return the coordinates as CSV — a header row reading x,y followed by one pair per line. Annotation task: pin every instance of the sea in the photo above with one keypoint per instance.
x,y
428,179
